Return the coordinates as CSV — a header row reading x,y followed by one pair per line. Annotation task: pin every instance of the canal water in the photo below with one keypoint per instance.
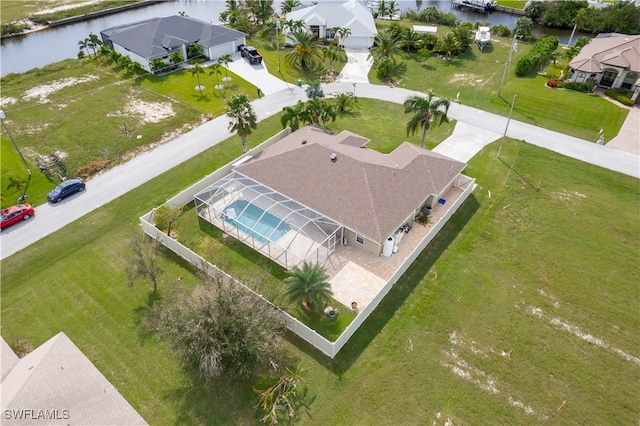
x,y
35,50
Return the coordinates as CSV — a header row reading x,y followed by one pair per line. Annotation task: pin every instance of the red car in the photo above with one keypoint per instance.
x,y
14,214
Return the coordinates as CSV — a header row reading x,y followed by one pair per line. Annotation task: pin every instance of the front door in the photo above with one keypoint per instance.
x,y
608,78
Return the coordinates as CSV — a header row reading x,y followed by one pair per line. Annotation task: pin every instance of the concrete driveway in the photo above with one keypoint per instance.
x,y
258,75
357,67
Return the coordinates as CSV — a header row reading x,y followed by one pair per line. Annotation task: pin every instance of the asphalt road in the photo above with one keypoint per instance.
x,y
122,179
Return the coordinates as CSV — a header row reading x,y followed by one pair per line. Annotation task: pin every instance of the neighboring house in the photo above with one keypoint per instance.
x,y
613,60
320,18
146,40
313,189
56,384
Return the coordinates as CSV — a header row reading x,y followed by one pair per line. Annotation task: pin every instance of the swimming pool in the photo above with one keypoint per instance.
x,y
253,220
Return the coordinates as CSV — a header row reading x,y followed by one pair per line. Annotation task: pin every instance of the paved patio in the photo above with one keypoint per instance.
x,y
357,276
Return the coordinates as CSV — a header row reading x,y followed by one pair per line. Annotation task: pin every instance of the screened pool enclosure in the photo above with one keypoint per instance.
x,y
280,228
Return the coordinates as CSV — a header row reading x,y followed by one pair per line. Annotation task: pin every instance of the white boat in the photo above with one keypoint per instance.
x,y
483,36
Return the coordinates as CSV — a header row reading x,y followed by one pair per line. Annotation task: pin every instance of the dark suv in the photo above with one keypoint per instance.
x,y
251,54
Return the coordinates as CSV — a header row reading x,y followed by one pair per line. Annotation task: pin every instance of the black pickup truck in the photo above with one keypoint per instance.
x,y
251,54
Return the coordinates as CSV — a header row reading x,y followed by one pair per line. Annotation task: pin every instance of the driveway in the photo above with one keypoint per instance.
x,y
357,67
258,75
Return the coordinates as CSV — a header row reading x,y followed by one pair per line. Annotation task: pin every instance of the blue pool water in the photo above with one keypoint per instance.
x,y
253,220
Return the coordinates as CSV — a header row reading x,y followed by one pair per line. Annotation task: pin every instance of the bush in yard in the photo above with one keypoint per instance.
x,y
384,67
220,328
552,82
621,96
541,51
578,87
501,31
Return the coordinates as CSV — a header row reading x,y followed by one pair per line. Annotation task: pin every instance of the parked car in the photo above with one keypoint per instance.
x,y
15,214
65,189
251,54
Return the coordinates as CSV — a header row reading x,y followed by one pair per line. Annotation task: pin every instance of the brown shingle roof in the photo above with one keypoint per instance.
x,y
369,192
622,51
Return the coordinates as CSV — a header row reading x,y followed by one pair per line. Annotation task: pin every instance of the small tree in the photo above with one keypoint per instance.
x,y
314,90
283,396
293,115
157,65
308,285
219,328
345,102
143,261
197,70
215,69
176,58
165,216
225,60
242,117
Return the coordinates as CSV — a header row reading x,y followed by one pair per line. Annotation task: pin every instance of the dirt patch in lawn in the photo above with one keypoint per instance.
x,y
43,91
7,101
149,112
66,7
468,79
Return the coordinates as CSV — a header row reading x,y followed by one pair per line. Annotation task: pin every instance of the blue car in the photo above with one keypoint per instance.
x,y
65,189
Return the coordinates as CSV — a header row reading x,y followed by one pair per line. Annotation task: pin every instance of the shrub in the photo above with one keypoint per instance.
x,y
501,31
578,87
552,82
620,95
541,51
12,28
448,19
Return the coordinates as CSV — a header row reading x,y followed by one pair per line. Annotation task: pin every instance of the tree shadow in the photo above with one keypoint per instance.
x,y
372,326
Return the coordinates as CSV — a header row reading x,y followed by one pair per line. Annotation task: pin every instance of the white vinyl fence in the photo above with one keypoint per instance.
x,y
330,349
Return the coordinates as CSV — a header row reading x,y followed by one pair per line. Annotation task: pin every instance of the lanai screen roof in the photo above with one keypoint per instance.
x,y
279,227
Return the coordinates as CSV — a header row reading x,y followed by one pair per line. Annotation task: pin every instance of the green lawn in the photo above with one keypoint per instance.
x,y
543,256
477,77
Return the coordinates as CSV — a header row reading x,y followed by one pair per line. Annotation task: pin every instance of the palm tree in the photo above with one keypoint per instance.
x,y
449,45
114,56
332,53
197,70
345,102
94,42
294,26
314,110
293,115
392,9
570,53
425,110
343,33
104,51
328,113
308,285
215,69
385,46
288,5
382,9
136,69
410,40
225,60
124,61
84,44
262,10
305,52
242,117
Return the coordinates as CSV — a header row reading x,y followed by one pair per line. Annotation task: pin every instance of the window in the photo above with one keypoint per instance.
x,y
629,79
359,239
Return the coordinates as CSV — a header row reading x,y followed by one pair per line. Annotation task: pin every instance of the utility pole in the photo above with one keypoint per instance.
x,y
514,47
507,126
278,41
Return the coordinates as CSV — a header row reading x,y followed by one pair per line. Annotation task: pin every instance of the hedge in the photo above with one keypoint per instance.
x,y
623,98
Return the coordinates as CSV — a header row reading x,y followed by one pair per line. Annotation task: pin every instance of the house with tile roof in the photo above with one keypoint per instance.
x,y
313,189
613,60
56,384
322,17
143,41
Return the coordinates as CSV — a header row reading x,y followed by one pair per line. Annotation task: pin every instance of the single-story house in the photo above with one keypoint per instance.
x,y
143,41
322,17
613,60
56,384
313,189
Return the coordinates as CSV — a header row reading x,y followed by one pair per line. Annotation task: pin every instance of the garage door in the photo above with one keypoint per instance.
x,y
358,42
217,51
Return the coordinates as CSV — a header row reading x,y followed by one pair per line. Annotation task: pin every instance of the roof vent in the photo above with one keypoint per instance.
x,y
304,141
333,157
